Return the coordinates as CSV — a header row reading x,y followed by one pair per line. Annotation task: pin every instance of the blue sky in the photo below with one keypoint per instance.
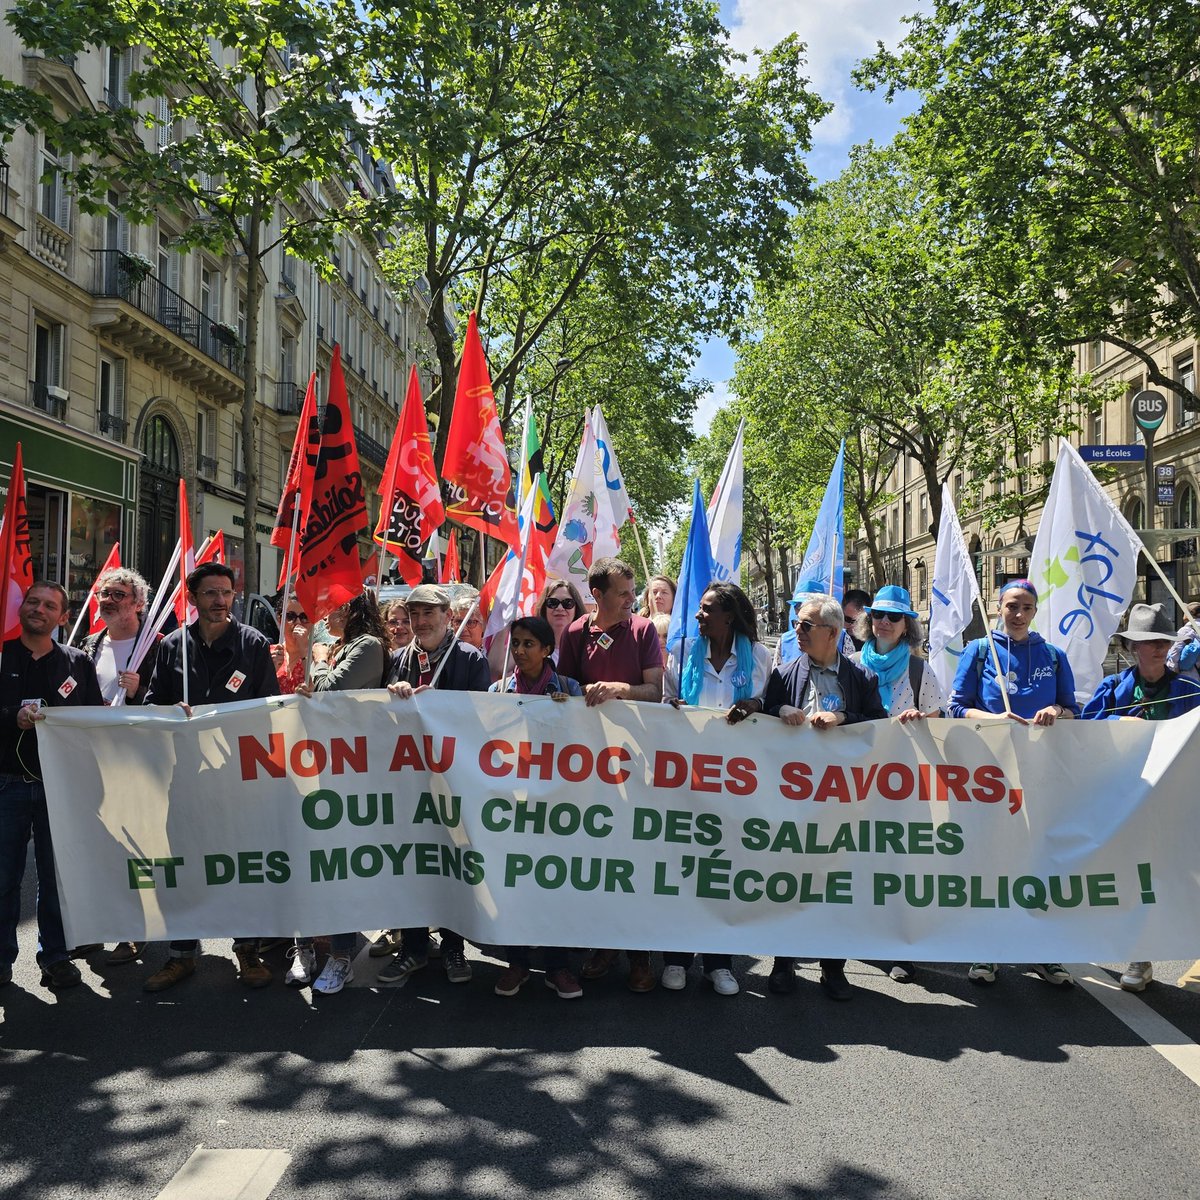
x,y
838,34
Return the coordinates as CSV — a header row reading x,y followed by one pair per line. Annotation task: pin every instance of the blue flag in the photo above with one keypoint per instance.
x,y
825,559
695,575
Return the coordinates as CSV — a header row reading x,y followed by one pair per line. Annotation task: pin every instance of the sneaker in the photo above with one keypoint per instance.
x,y
455,964
1136,976
169,974
124,952
61,974
564,983
674,977
337,973
982,973
252,971
511,981
304,964
402,966
902,972
388,942
724,984
1054,973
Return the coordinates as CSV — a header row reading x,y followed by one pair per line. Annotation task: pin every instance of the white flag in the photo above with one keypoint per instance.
x,y
725,514
1084,567
954,594
610,472
512,586
586,530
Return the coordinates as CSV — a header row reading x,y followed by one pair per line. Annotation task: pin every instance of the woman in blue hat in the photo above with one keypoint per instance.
x,y
892,636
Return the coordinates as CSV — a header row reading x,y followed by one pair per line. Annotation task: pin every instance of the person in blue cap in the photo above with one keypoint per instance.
x,y
892,636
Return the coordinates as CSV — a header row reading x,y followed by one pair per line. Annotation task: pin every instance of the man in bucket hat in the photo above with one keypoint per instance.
x,y
1147,691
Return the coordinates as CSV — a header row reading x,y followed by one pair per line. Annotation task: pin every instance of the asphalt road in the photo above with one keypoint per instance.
x,y
931,1089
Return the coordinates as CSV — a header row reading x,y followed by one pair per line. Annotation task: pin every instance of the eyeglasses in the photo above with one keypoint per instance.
x,y
892,618
808,626
292,617
112,594
560,602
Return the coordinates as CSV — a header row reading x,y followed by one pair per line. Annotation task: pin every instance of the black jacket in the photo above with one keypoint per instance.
x,y
22,677
145,669
466,671
860,688
211,669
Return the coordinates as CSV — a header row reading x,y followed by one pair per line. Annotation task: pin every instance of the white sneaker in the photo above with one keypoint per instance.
x,y
1136,976
674,978
304,963
337,973
723,981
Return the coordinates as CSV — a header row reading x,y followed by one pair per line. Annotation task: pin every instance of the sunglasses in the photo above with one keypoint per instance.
x,y
112,594
297,616
808,626
893,618
560,602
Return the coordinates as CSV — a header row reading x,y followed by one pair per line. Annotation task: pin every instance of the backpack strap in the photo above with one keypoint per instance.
x,y
916,672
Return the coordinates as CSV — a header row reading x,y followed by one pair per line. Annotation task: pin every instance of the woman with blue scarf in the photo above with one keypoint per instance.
x,y
725,668
891,634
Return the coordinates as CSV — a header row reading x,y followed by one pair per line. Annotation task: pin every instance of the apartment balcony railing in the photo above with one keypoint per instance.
x,y
206,466
289,398
3,187
239,478
112,426
47,399
370,449
120,276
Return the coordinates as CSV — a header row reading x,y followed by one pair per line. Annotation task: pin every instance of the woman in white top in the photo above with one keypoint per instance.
x,y
726,668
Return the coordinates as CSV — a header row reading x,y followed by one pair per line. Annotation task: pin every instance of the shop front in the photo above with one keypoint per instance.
x,y
217,512
81,497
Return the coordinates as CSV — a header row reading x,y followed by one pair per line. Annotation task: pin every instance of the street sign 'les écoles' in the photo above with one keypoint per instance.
x,y
1112,454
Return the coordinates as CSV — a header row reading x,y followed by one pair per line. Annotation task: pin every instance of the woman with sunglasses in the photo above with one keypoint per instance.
x,y
291,654
560,603
891,636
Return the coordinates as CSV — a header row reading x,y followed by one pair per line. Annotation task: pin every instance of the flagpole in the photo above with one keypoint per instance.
x,y
537,483
1169,586
86,605
1001,678
183,628
637,537
287,583
454,642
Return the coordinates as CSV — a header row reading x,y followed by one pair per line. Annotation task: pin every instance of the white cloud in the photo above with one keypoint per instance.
x,y
837,34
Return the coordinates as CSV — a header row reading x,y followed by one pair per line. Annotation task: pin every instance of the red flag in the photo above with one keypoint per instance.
x,y
412,502
370,570
214,551
14,551
111,563
298,487
478,478
330,571
184,612
451,571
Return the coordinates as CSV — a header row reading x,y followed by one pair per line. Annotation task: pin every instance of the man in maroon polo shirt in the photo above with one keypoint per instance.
x,y
615,655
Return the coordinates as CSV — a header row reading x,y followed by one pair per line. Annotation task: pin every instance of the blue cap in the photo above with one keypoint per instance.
x,y
894,599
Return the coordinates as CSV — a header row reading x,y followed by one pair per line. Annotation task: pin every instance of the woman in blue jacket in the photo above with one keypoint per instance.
x,y
1041,690
1147,691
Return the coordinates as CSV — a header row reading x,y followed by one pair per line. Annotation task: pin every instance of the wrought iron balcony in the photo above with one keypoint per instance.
x,y
41,398
207,467
289,398
239,478
112,426
370,449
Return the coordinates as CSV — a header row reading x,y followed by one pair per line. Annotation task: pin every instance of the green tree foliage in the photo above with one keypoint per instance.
x,y
542,146
884,334
233,111
1071,131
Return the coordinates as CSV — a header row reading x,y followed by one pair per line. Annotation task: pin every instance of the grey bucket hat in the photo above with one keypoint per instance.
x,y
1148,623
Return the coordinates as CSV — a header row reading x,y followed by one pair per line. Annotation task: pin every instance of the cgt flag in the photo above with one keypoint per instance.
x,y
411,508
476,470
330,571
15,550
451,569
1084,563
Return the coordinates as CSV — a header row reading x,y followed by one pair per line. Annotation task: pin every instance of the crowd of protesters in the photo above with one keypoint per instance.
x,y
839,663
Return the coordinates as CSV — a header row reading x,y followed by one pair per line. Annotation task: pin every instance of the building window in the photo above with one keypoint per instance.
x,y
54,203
1096,428
1185,373
206,441
923,506
1135,512
118,65
210,293
1095,353
110,397
46,386
1188,508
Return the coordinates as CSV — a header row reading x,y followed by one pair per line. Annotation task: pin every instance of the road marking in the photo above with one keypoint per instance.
x,y
1158,1033
227,1175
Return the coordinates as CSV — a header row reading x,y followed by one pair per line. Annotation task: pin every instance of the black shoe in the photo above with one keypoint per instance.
x,y
5,974
86,949
835,983
782,980
61,974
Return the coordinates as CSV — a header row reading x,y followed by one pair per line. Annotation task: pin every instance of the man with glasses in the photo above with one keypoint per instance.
x,y
38,672
822,689
226,661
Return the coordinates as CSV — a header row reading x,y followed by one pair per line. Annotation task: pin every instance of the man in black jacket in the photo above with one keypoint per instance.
x,y
433,659
823,689
36,672
226,661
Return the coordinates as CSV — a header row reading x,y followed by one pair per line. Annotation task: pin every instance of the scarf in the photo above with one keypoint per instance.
x,y
410,668
692,678
540,687
1154,698
890,667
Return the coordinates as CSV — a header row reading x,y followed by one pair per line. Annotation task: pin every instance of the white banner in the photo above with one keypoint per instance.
x,y
519,820
1084,566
